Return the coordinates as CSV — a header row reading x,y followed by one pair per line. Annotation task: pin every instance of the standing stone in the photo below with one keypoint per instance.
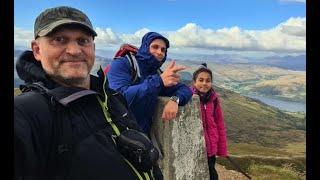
x,y
181,142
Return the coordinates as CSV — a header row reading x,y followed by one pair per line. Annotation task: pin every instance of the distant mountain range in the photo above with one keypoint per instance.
x,y
259,80
287,62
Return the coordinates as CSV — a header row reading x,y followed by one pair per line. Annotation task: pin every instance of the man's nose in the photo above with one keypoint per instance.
x,y
73,48
159,52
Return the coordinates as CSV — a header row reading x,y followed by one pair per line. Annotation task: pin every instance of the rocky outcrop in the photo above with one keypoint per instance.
x,y
181,143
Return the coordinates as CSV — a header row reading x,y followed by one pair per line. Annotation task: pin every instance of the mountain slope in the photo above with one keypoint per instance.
x,y
260,80
251,121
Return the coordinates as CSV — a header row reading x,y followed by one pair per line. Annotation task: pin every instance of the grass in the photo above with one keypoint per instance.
x,y
252,149
301,115
295,148
261,162
255,166
265,172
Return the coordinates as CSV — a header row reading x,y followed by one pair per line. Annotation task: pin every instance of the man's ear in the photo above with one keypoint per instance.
x,y
36,50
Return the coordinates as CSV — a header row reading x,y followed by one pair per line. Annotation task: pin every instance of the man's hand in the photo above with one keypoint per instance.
x,y
170,110
170,76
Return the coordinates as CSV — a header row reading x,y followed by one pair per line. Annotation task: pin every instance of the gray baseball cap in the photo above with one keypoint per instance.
x,y
52,18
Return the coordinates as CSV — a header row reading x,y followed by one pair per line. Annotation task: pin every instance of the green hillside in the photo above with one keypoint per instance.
x,y
253,122
265,142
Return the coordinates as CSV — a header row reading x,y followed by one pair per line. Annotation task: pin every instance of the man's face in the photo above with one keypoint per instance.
x,y
158,49
67,55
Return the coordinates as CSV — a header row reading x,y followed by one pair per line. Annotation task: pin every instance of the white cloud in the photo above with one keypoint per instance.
x,y
192,35
106,36
289,36
22,37
295,27
286,37
135,38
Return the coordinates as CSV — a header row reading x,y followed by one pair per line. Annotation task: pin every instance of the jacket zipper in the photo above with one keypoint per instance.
x,y
207,126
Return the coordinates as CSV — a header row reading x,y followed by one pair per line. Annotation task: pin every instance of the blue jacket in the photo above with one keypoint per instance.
x,y
142,96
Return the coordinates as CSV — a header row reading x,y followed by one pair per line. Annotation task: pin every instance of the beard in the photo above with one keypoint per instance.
x,y
74,82
74,79
70,70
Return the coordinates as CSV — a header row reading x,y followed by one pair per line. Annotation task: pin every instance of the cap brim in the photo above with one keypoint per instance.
x,y
59,23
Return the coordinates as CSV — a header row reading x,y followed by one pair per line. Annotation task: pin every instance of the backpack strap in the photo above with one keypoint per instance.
x,y
62,152
63,126
159,71
135,71
104,106
60,155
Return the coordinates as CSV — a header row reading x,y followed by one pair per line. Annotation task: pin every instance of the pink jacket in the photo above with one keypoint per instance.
x,y
213,126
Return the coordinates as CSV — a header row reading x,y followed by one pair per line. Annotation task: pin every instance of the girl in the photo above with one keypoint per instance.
x,y
212,117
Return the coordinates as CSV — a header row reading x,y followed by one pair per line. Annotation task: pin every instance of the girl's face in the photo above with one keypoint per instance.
x,y
203,82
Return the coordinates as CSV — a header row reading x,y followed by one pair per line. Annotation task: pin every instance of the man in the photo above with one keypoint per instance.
x,y
62,127
142,95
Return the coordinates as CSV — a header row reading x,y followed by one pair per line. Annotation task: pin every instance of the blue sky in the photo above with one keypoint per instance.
x,y
208,26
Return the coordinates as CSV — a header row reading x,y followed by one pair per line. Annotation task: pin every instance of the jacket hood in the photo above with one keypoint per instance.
x,y
147,60
29,69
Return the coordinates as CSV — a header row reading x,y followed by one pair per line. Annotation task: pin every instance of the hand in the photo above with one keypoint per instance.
x,y
170,110
170,76
223,155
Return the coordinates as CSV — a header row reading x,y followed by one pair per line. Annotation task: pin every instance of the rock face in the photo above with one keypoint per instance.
x,y
181,142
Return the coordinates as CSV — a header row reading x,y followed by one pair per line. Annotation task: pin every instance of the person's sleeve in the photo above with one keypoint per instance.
x,y
222,143
182,91
119,78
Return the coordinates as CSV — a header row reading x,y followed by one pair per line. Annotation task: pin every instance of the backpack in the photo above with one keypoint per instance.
x,y
129,51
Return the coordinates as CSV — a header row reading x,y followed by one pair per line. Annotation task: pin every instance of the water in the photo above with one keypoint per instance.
x,y
281,104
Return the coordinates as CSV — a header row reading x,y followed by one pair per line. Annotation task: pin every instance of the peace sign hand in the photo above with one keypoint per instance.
x,y
170,76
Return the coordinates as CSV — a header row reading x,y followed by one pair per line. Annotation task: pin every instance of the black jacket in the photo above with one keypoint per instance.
x,y
94,155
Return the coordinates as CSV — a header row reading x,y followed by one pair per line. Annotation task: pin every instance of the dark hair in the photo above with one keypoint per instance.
x,y
202,68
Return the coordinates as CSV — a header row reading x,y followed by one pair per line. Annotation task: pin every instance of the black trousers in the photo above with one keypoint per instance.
x,y
212,171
